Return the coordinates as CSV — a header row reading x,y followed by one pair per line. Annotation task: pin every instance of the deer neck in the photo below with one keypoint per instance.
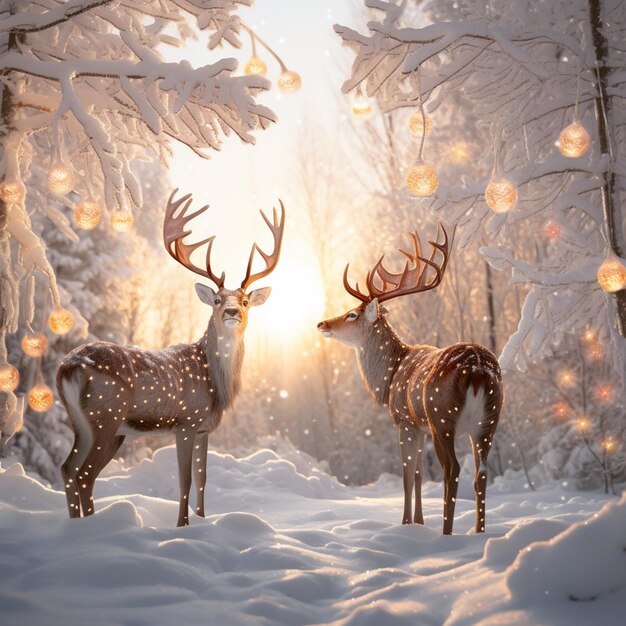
x,y
379,357
224,354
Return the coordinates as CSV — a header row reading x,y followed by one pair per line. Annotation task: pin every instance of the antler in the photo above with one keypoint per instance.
x,y
174,232
277,228
413,279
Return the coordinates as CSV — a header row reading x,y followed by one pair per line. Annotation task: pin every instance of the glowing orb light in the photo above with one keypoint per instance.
x,y
40,398
418,124
121,220
552,230
422,179
61,179
289,81
560,409
566,378
12,191
612,274
9,378
255,66
34,344
459,152
574,140
60,321
361,107
87,214
500,195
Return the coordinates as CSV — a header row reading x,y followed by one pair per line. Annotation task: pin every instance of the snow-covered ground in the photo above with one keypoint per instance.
x,y
285,543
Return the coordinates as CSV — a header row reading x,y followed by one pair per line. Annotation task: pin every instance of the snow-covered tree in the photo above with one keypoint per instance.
x,y
528,70
85,87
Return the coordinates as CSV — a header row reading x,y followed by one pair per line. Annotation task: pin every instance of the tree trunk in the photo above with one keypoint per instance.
x,y
604,121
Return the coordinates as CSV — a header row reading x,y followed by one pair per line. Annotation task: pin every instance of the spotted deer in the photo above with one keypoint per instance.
x,y
111,391
446,392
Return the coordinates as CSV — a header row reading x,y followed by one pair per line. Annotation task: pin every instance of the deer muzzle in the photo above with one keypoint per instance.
x,y
324,328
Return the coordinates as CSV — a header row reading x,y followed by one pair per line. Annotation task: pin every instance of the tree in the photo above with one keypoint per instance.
x,y
85,86
529,70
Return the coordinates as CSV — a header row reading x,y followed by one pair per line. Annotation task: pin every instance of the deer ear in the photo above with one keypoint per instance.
x,y
206,294
259,296
371,311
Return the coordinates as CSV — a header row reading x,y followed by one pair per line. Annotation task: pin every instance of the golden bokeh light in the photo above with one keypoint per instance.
x,y
289,82
61,179
12,191
608,445
612,275
459,152
574,140
255,66
9,378
422,179
583,424
40,398
87,214
500,195
60,321
604,393
418,123
121,220
34,344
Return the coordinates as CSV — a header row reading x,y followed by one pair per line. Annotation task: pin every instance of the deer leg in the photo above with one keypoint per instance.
x,y
408,452
419,515
444,447
199,470
69,472
102,451
184,451
480,483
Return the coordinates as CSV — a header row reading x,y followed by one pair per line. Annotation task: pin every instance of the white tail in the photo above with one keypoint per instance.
x,y
111,391
442,391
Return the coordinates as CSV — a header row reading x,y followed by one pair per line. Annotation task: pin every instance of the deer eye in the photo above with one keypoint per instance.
x,y
352,315
217,301
245,303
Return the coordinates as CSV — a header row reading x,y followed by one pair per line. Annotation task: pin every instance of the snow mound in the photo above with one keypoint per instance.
x,y
584,563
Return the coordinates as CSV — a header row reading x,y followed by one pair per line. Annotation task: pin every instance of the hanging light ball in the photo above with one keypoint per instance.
x,y
612,274
121,220
574,140
34,344
289,81
60,321
361,107
12,191
422,179
255,66
500,195
87,214
418,124
9,378
40,398
61,179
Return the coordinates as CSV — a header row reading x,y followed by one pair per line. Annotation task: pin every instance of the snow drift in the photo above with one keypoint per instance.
x,y
285,543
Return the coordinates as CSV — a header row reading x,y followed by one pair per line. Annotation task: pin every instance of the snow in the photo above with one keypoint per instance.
x,y
287,544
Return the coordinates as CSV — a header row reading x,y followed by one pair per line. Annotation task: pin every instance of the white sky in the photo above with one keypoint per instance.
x,y
241,179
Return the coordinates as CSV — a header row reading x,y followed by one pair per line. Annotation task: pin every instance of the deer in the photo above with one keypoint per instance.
x,y
445,392
111,391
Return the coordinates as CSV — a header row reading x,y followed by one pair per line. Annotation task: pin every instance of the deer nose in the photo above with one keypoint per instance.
x,y
321,325
232,312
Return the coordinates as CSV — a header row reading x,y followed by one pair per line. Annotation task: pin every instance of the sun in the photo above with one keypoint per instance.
x,y
296,303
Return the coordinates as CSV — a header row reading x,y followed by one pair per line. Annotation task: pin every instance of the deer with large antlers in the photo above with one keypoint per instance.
x,y
446,392
111,391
